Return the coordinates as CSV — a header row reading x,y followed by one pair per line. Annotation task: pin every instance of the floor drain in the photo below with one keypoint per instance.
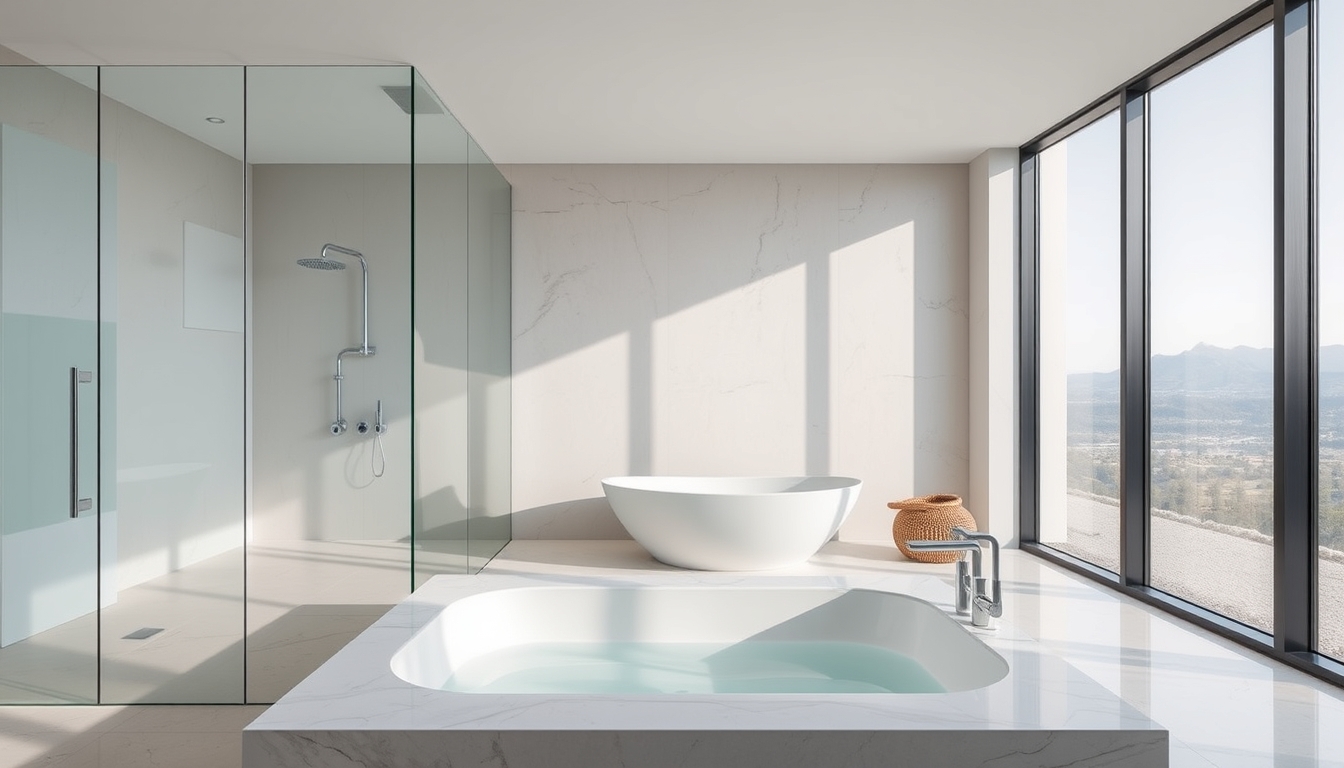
x,y
142,633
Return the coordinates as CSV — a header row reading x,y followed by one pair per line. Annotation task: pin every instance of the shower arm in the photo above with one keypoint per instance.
x,y
364,350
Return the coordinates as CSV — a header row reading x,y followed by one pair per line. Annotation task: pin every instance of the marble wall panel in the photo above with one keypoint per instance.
x,y
737,320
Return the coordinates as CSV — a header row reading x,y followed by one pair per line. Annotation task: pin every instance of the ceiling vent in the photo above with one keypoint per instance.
x,y
424,103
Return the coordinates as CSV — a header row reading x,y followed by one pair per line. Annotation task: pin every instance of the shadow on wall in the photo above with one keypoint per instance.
x,y
574,519
737,320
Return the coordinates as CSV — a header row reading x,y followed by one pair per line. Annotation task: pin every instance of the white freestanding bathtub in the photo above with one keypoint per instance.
x,y
732,523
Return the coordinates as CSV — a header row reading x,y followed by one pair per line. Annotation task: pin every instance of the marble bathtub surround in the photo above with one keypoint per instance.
x,y
1225,706
737,320
355,710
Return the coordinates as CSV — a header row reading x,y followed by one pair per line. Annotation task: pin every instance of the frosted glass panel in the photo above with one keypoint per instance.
x,y
48,330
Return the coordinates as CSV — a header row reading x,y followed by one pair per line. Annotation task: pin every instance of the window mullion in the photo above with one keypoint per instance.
x,y
1295,452
1134,423
1028,360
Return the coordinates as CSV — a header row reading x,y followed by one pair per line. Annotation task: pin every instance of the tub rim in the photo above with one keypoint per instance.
x,y
837,483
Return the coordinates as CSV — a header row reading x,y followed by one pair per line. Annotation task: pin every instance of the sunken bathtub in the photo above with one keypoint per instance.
x,y
671,668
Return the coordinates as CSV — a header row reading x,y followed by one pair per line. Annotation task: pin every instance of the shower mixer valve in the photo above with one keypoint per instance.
x,y
379,426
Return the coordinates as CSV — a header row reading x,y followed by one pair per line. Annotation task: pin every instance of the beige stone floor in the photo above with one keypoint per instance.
x,y
123,736
306,600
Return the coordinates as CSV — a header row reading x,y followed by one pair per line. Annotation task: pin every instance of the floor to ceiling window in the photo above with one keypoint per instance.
x,y
1185,406
1211,331
1079,220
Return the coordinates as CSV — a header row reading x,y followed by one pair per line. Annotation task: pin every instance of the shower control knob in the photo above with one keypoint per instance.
x,y
362,427
338,427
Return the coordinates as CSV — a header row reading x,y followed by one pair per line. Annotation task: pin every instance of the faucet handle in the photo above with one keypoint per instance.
x,y
987,599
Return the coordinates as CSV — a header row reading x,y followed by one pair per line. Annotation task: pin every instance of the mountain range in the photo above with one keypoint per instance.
x,y
1206,368
1226,395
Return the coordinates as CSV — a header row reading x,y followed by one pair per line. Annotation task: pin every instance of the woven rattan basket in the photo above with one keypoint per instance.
x,y
929,518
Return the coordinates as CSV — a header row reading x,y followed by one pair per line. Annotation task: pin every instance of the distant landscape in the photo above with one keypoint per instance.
x,y
1212,436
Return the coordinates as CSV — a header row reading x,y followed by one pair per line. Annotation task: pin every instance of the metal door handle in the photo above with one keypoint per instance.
x,y
77,504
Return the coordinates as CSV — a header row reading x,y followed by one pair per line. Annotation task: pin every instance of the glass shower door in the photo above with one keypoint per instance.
x,y
49,504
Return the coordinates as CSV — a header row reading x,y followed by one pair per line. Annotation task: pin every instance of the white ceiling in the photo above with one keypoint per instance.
x,y
625,81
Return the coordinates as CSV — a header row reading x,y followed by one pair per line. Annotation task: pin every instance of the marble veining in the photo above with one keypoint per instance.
x,y
737,320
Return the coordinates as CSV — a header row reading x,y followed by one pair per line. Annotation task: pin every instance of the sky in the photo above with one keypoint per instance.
x,y
1211,207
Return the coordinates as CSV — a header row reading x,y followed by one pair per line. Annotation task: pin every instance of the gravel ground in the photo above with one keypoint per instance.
x,y
1231,574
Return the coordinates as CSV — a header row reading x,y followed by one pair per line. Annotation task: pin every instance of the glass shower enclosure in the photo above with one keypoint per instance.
x,y
180,519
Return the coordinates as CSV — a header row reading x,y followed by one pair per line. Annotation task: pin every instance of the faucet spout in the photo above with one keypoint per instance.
x,y
981,597
964,546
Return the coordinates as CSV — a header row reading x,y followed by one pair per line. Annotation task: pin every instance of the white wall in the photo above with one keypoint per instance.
x,y
308,484
993,343
737,320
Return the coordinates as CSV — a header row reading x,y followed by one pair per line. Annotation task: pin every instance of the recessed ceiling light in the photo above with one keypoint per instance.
x,y
215,120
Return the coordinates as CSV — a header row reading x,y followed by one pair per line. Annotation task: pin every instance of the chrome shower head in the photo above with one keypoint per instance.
x,y
320,263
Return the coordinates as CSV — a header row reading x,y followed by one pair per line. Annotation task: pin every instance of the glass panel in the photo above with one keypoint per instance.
x,y
1212,332
48,330
1079,212
442,492
1330,257
173,395
491,358
329,551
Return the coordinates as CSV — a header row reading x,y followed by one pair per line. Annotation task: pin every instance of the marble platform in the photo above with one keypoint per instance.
x,y
354,711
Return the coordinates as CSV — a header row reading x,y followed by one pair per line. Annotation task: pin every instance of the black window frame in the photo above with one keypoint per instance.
x,y
1293,640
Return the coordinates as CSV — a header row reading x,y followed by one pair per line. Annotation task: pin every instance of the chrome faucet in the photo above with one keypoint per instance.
x,y
978,596
970,557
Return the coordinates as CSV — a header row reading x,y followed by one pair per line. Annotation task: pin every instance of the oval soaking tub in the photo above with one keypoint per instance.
x,y
695,640
732,523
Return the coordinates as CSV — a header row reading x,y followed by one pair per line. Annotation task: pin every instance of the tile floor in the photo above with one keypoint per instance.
x,y
305,600
1224,706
